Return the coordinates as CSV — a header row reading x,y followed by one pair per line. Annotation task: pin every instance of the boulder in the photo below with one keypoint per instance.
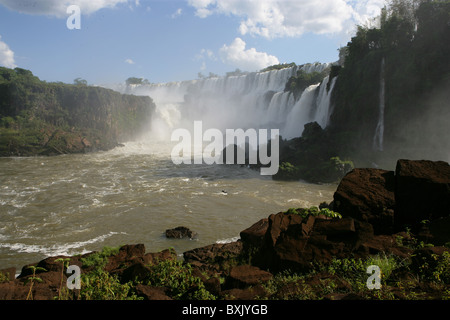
x,y
127,255
137,271
180,232
217,256
151,293
244,276
292,242
368,195
422,191
254,235
49,264
155,257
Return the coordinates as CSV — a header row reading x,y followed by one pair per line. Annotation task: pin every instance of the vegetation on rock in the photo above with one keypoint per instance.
x,y
40,118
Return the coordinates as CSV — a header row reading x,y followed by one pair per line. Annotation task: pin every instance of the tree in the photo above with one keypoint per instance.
x,y
80,82
136,81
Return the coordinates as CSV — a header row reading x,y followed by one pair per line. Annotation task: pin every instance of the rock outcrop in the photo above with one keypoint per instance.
x,y
180,232
422,191
417,191
368,195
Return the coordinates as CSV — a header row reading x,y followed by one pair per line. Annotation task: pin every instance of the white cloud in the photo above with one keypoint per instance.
x,y
283,18
6,55
58,8
177,13
206,54
129,61
247,60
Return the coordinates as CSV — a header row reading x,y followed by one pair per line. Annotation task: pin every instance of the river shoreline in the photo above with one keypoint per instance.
x,y
256,265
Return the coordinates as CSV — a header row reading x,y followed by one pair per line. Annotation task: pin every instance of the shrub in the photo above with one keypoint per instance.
x,y
178,278
314,211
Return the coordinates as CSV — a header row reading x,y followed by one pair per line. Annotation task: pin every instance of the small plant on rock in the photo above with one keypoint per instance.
x,y
32,279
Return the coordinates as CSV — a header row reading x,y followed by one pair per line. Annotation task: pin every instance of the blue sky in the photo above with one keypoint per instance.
x,y
165,41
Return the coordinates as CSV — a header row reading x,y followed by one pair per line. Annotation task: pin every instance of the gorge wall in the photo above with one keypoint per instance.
x,y
40,118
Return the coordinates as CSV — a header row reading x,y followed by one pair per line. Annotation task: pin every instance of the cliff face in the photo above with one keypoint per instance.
x,y
396,78
55,118
390,99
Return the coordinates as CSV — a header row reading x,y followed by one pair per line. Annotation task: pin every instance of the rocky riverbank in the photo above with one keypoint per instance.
x,y
397,220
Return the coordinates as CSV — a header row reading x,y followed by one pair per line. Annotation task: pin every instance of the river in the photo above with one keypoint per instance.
x,y
72,204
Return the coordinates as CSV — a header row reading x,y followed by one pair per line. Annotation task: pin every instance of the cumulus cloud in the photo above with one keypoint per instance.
x,y
206,54
177,13
129,61
282,18
6,55
58,8
249,60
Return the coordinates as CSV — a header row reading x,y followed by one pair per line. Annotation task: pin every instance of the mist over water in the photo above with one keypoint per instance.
x,y
254,100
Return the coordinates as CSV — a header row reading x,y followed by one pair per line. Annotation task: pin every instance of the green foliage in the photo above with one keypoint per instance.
x,y
414,41
100,285
63,291
37,117
314,211
279,66
287,171
4,277
436,270
297,84
99,259
80,82
290,286
136,81
32,280
178,278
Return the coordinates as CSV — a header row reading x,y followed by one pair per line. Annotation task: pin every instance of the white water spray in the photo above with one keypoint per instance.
x,y
254,100
379,131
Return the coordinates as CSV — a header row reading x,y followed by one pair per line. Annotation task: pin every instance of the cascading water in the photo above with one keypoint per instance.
x,y
379,131
253,100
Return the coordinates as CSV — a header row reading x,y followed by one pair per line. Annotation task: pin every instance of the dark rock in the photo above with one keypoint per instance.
x,y
243,276
216,256
422,191
292,242
380,244
209,279
180,232
151,293
137,271
13,291
128,255
49,264
153,258
256,292
436,232
368,195
128,252
335,227
254,235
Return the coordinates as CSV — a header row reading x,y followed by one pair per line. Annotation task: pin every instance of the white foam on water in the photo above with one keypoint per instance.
x,y
228,240
57,250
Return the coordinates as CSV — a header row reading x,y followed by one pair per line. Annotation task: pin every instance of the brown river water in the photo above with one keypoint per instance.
x,y
72,204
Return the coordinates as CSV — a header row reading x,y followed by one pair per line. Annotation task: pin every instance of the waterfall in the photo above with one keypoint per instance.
x,y
252,100
322,116
379,131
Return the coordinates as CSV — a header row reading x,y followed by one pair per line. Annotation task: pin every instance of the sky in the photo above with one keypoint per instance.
x,y
172,40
